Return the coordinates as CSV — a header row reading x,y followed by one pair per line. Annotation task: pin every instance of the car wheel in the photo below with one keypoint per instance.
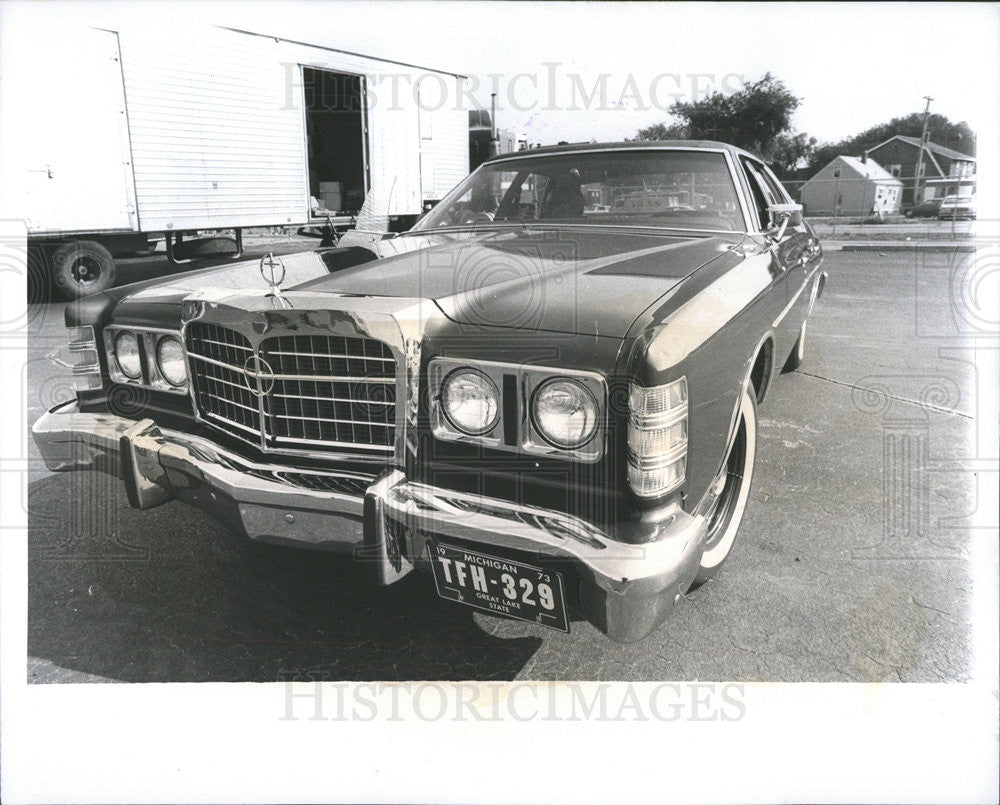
x,y
798,352
733,489
82,267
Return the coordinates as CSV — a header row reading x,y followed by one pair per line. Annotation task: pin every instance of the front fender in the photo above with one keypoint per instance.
x,y
713,338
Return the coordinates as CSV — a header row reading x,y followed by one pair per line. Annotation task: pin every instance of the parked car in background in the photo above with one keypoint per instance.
x,y
928,208
957,207
552,413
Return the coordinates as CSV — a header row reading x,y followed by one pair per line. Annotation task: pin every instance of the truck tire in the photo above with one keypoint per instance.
x,y
82,267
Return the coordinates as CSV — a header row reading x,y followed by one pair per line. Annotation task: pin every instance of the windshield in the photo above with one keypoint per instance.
x,y
647,187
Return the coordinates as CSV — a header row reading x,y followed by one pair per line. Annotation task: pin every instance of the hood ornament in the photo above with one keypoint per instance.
x,y
272,270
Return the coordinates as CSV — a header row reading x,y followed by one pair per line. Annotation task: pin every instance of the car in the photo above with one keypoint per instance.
x,y
954,207
551,415
928,208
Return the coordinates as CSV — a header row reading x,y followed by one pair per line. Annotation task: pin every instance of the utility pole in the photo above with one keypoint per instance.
x,y
920,158
836,199
494,139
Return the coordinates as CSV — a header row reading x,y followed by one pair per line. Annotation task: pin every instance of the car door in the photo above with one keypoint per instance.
x,y
797,253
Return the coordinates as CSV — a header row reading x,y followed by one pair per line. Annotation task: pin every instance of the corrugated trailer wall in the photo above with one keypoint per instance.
x,y
212,145
218,129
444,140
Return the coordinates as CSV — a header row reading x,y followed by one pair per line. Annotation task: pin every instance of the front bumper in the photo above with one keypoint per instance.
x,y
386,522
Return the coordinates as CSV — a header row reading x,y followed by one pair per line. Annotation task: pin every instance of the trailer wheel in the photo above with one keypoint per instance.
x,y
82,267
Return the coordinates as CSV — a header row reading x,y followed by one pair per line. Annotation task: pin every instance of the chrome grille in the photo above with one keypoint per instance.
x,y
328,393
219,381
331,389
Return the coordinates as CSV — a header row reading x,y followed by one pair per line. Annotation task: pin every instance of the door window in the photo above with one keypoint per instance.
x,y
765,189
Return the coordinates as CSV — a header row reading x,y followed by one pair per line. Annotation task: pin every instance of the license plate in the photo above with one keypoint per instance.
x,y
500,586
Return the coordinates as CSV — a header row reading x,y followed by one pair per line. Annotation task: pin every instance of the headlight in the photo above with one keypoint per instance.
x,y
127,355
564,413
470,401
170,361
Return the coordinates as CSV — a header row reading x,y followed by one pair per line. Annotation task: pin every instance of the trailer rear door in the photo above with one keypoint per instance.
x,y
69,98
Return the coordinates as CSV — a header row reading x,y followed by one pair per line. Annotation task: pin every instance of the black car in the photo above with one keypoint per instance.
x,y
545,394
928,208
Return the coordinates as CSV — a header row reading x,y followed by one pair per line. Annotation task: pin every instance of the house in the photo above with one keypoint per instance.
x,y
852,186
945,170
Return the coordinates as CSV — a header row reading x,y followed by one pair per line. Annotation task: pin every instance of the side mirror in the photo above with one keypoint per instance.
x,y
781,215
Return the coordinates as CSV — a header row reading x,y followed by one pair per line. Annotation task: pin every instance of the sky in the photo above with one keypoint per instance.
x,y
853,65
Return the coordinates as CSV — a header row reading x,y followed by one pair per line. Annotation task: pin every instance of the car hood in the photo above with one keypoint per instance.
x,y
559,280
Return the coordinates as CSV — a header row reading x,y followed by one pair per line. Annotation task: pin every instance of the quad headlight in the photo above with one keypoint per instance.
x,y
170,360
518,408
470,401
127,355
565,413
150,357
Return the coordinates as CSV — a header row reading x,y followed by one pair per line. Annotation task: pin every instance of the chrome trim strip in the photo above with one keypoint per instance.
x,y
794,298
353,445
332,399
331,356
327,419
222,343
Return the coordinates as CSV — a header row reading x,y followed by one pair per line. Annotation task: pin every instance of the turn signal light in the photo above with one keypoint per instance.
x,y
83,358
657,437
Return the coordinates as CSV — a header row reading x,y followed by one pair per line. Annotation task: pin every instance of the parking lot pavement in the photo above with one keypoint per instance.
x,y
852,563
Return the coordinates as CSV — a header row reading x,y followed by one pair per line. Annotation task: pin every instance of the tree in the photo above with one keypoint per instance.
x,y
789,151
757,117
940,130
663,131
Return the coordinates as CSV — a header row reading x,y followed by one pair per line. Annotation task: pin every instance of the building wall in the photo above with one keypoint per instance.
x,y
906,156
858,196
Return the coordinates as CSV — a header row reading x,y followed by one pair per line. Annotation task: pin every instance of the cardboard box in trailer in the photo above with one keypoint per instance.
x,y
128,135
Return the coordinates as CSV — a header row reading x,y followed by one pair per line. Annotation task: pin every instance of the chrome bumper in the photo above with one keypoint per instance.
x,y
387,522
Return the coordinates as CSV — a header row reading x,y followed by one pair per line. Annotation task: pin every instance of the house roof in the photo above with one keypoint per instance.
x,y
870,169
949,153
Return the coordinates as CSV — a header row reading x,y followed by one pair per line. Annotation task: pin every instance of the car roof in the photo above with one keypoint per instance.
x,y
637,145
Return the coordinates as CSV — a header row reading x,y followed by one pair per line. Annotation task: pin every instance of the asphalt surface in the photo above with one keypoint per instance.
x,y
852,563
